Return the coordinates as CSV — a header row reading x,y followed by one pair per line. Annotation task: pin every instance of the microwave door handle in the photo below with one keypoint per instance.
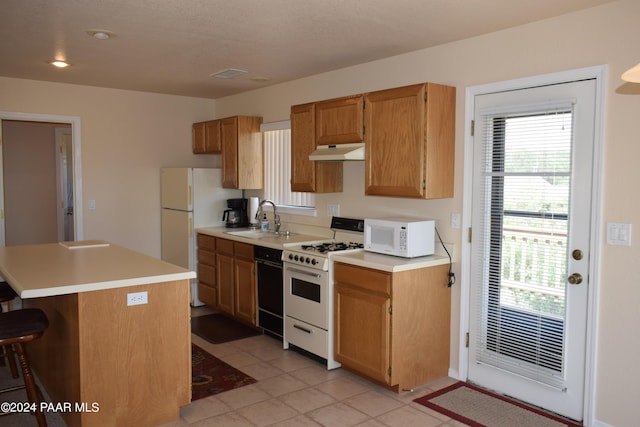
x,y
306,273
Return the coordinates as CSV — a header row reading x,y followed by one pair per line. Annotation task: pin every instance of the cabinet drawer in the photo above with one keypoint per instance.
x,y
206,257
224,246
207,294
243,250
306,336
207,274
206,242
364,278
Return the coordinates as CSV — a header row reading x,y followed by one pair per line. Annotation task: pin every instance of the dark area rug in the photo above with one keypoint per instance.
x,y
218,328
478,407
211,375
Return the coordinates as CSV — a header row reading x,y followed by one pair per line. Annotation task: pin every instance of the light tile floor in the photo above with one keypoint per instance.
x,y
293,390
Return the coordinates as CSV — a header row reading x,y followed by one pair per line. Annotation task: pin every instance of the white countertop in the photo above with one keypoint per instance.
x,y
387,262
269,240
71,267
362,258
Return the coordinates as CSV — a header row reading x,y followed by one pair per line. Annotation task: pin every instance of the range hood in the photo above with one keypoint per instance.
x,y
338,152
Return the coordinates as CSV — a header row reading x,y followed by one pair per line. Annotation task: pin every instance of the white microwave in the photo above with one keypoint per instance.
x,y
404,237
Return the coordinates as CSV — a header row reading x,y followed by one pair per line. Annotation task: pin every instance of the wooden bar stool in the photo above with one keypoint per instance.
x,y
17,328
7,294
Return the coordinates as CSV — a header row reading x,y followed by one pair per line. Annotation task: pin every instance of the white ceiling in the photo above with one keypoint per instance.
x,y
172,46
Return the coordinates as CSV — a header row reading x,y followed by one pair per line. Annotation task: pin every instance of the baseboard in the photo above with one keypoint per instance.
x,y
453,373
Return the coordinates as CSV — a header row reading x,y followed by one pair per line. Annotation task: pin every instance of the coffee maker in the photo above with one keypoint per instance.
x,y
236,216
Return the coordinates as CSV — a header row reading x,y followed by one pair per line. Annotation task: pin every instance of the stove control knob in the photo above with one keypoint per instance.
x,y
308,260
295,258
314,261
290,256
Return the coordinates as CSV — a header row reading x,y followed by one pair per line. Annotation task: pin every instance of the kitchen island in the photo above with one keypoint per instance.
x,y
118,347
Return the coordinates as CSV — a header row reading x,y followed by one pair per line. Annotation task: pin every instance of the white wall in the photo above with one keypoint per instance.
x,y
127,136
602,35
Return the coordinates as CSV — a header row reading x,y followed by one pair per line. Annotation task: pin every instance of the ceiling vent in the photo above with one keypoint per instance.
x,y
229,73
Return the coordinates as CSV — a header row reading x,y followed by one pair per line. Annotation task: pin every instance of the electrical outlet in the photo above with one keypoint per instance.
x,y
333,210
137,298
455,220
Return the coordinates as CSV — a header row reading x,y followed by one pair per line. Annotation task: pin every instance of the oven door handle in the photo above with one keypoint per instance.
x,y
309,331
306,273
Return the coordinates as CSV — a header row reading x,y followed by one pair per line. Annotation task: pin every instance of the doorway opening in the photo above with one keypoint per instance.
x,y
40,179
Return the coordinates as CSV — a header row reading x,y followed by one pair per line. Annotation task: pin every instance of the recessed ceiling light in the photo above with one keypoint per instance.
x,y
100,34
228,73
59,64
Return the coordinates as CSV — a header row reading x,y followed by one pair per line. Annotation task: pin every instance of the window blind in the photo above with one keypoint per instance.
x,y
526,172
277,170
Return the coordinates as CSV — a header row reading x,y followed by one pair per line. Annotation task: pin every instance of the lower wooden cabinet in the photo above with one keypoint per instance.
x,y
245,290
393,328
207,290
236,280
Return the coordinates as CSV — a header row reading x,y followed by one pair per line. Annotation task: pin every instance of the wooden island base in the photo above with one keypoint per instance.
x,y
122,365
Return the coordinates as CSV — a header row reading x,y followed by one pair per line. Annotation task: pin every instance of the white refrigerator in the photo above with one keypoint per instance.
x,y
190,198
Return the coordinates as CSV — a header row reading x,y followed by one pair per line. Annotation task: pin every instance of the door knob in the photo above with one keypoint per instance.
x,y
575,279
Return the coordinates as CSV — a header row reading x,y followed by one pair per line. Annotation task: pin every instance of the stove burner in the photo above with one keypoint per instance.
x,y
332,247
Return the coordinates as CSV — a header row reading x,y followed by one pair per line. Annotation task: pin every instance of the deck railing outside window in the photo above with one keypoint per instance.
x,y
527,288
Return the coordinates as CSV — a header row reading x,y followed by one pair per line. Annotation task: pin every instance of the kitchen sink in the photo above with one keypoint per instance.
x,y
257,234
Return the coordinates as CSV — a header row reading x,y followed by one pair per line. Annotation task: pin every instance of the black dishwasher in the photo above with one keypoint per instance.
x,y
270,290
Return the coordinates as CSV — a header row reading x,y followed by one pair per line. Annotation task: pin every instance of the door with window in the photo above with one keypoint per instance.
x,y
531,222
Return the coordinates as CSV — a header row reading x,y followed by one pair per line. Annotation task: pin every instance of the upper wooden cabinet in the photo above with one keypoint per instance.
x,y
242,152
339,121
308,175
205,137
410,141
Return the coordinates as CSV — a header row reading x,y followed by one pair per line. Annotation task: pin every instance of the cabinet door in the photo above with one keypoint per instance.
x,y
250,153
245,291
410,141
212,137
395,145
308,175
205,137
339,121
363,331
225,283
229,135
198,138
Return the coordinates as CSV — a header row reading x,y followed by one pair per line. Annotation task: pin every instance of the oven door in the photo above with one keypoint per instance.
x,y
307,294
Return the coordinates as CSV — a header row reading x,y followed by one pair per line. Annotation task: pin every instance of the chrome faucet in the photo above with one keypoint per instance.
x,y
276,217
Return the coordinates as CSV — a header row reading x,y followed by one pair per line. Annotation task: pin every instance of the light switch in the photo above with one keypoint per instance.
x,y
618,234
92,205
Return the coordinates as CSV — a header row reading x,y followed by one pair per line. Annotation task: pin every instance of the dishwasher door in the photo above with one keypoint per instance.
x,y
270,296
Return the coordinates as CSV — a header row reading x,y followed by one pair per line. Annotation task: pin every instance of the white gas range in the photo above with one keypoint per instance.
x,y
308,289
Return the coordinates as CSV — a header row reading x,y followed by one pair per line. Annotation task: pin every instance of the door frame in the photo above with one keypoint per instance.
x,y
599,74
74,121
